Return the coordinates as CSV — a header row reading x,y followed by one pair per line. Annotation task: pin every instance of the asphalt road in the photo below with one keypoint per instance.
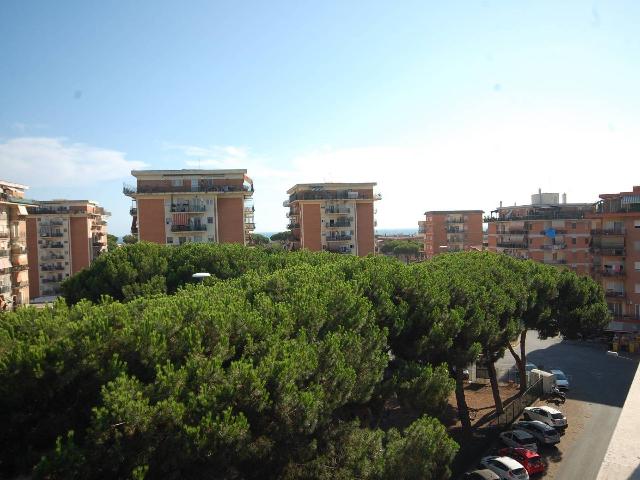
x,y
599,384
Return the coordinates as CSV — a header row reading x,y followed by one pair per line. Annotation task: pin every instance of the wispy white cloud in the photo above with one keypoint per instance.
x,y
475,167
47,161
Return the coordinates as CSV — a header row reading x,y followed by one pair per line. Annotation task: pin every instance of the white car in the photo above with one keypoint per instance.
x,y
519,439
562,382
505,467
550,416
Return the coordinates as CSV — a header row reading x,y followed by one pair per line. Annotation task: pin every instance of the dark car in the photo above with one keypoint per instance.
x,y
483,474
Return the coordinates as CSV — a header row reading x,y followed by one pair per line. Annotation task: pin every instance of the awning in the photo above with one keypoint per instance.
x,y
22,210
5,263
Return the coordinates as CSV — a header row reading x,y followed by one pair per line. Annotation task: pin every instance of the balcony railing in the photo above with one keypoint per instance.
x,y
608,231
4,253
338,238
19,268
560,261
574,215
511,245
200,188
611,273
188,208
52,268
337,211
51,234
52,257
333,195
609,251
514,231
291,226
249,225
338,225
556,246
188,228
52,280
455,220
614,294
5,288
52,245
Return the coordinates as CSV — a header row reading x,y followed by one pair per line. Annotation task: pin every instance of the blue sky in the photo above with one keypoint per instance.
x,y
446,105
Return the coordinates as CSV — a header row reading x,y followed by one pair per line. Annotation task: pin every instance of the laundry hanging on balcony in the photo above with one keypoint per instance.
x,y
180,219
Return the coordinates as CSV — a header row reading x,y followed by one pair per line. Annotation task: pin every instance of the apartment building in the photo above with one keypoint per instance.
x,y
336,217
615,247
63,237
451,231
14,264
173,207
546,231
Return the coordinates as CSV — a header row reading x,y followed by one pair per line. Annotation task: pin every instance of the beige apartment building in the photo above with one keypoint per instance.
x,y
173,207
451,231
615,247
63,237
14,264
334,217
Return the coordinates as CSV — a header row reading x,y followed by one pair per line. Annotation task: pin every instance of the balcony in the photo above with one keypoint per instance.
x,y
514,231
52,268
541,215
338,224
454,230
191,208
614,294
51,234
611,273
249,225
332,195
51,257
609,251
560,261
292,226
188,228
133,211
52,280
4,253
5,288
608,231
201,187
286,204
512,245
52,245
337,211
23,284
557,246
338,238
454,220
338,249
19,268
558,231
4,233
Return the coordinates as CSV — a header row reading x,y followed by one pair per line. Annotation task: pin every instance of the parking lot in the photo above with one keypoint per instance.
x,y
599,386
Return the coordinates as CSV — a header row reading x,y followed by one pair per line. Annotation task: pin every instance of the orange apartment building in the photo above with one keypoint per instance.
x,y
336,217
63,237
451,231
173,207
546,231
615,248
14,264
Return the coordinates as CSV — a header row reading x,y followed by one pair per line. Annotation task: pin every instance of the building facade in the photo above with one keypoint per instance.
x,y
615,247
14,261
451,231
173,207
546,231
63,237
334,217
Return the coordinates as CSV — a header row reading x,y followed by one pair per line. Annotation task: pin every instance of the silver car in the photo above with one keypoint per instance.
x,y
543,433
519,439
550,416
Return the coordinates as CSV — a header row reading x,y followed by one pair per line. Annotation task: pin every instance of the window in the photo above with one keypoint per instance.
x,y
209,201
573,240
176,182
169,239
194,184
209,219
638,311
636,224
637,288
636,245
586,240
573,225
636,265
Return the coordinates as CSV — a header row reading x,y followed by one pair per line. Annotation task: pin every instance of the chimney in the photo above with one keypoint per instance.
x,y
500,203
540,191
564,198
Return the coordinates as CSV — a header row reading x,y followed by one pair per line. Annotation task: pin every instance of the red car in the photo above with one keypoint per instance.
x,y
531,461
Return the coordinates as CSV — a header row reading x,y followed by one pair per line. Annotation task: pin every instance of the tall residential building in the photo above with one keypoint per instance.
x,y
336,217
63,237
615,247
178,206
546,231
451,231
14,262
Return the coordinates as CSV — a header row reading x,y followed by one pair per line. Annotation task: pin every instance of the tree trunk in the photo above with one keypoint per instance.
x,y
521,360
463,409
493,377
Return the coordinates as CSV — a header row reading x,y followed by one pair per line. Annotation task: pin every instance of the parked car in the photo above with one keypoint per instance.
x,y
530,460
505,467
550,416
543,433
561,379
483,474
519,438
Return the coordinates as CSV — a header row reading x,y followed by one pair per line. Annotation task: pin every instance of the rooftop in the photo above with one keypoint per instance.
x,y
452,212
329,186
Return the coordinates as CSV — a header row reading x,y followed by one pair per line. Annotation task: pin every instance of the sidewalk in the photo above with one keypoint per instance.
x,y
622,460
